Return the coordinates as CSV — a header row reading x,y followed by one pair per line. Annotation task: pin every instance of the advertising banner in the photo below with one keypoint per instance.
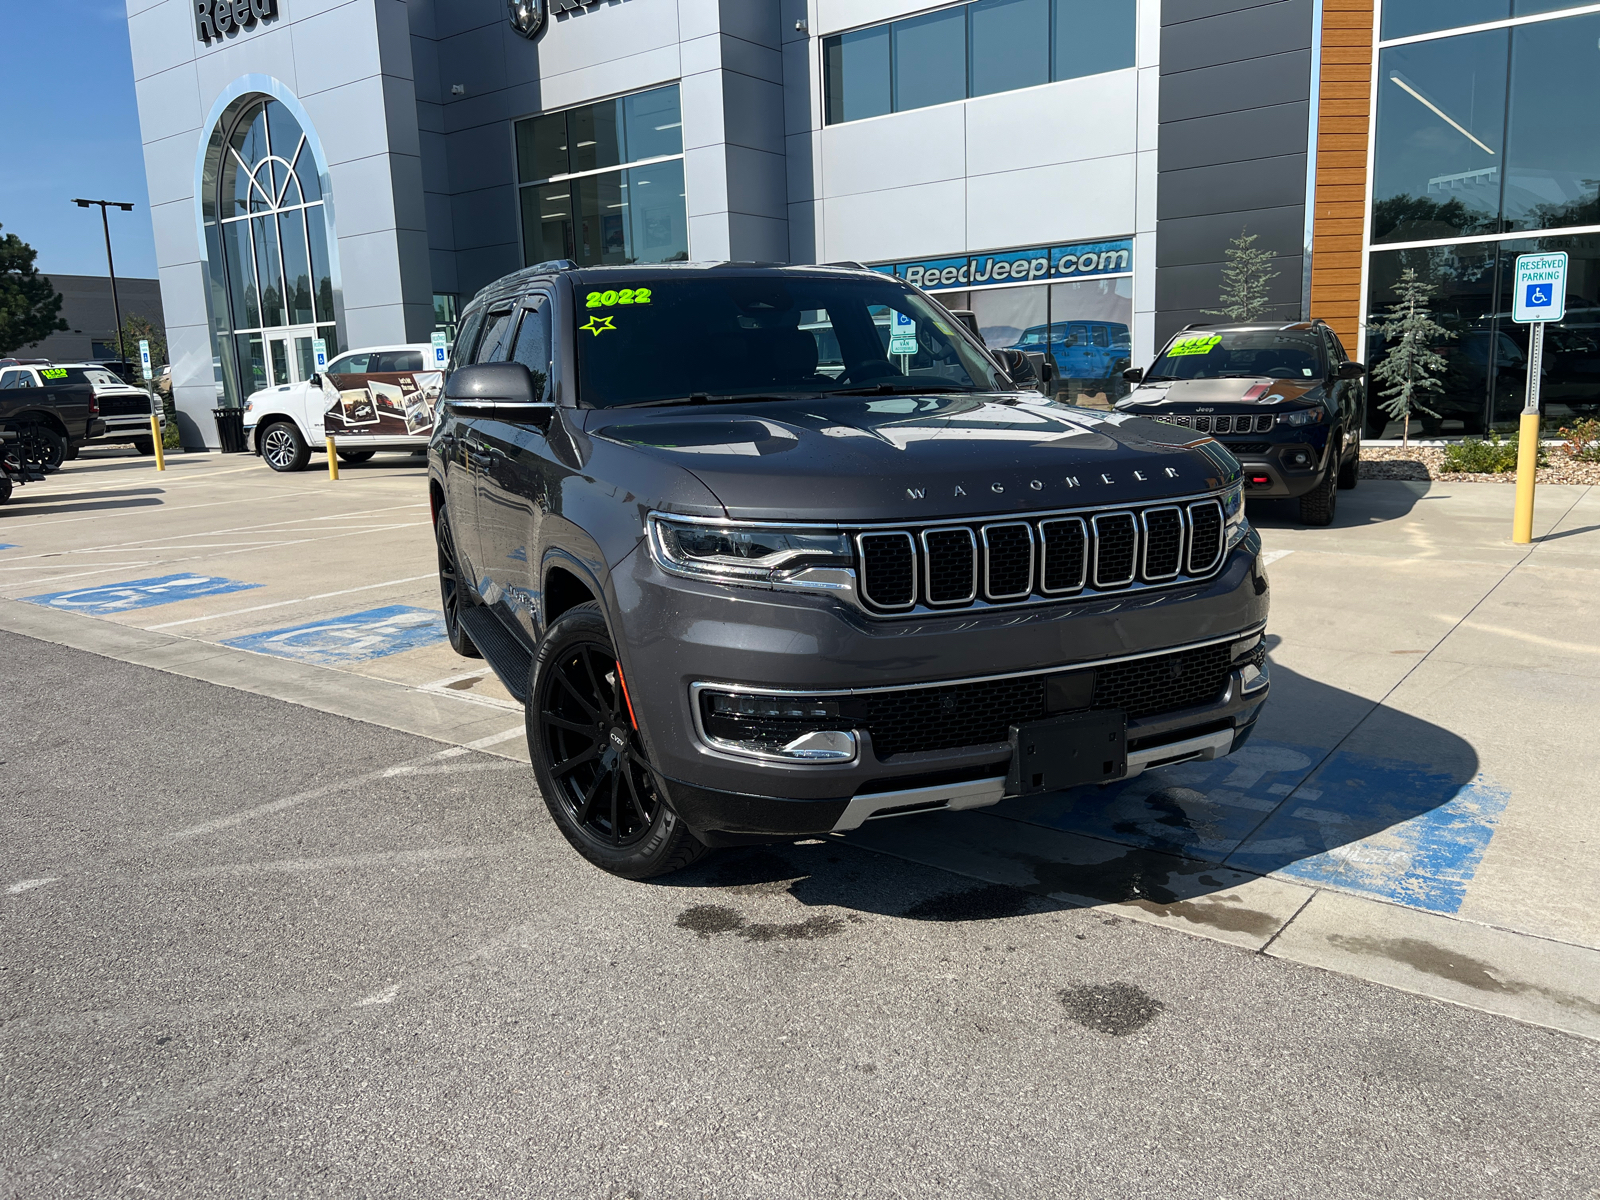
x,y
383,405
1039,264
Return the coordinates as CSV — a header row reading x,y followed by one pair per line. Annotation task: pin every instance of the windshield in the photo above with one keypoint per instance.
x,y
1240,355
675,338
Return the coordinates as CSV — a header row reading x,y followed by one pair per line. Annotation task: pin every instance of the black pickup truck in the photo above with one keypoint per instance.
x,y
772,552
54,407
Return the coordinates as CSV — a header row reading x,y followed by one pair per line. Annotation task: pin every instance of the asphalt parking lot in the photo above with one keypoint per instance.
x,y
282,903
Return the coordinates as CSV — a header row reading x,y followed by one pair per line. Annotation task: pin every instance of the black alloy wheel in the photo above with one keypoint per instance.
x,y
451,595
1321,503
590,760
51,449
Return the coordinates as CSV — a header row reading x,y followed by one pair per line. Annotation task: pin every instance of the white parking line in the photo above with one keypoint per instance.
x,y
286,603
28,885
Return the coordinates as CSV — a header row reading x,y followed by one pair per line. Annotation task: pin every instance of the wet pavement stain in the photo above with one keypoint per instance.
x,y
1217,914
1457,968
1115,1008
991,903
708,920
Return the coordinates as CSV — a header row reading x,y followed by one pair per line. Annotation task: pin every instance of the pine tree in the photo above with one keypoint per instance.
x,y
1413,366
1244,280
29,307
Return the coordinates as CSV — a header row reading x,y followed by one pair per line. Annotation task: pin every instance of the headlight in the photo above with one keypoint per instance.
x,y
1303,416
1238,524
790,558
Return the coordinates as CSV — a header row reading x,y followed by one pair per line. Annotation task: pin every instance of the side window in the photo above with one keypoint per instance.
x,y
490,349
1101,338
1339,357
466,340
532,347
407,360
8,379
26,379
350,364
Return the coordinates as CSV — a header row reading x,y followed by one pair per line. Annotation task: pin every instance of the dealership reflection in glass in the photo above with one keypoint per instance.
x,y
579,198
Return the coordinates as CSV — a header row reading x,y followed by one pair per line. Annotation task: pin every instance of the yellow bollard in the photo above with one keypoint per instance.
x,y
155,436
1527,469
333,458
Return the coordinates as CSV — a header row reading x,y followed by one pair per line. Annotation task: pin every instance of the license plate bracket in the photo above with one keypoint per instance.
x,y
1068,751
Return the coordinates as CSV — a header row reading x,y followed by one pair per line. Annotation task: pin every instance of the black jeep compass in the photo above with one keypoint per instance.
x,y
1285,399
771,552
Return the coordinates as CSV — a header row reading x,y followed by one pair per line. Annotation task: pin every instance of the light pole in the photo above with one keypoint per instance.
x,y
111,265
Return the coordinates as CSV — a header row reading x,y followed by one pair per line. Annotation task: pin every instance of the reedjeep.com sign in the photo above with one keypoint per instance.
x,y
1051,264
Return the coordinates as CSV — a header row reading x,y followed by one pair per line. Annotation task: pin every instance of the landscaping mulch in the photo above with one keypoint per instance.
x,y
1426,463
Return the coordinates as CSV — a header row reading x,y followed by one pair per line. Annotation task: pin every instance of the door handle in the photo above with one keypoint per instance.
x,y
480,458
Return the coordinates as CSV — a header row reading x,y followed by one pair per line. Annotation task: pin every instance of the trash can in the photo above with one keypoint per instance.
x,y
230,429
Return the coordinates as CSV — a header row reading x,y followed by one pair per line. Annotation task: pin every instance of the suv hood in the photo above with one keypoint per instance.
x,y
1251,391
918,458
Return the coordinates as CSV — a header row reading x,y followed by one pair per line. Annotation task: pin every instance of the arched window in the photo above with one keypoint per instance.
x,y
268,236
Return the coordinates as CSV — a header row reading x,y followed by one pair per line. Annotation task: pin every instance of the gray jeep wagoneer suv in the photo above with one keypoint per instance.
x,y
770,552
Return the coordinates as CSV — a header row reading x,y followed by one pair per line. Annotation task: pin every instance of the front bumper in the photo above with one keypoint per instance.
x,y
1282,470
676,633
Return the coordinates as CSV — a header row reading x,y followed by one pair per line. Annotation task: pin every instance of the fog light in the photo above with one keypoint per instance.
x,y
772,708
798,729
1302,459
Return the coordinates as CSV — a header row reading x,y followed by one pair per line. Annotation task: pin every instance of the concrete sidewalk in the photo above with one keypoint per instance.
x,y
1416,807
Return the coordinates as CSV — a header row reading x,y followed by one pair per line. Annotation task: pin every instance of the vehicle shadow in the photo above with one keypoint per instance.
x,y
1332,791
44,504
1375,500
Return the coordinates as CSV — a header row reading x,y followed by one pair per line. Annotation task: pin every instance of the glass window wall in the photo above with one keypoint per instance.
x,y
574,206
974,49
1406,18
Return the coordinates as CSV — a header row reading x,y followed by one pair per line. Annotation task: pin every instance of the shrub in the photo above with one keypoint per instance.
x,y
1583,440
1478,457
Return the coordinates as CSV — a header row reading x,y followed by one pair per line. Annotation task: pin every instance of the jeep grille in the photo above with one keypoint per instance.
x,y
1019,559
1239,423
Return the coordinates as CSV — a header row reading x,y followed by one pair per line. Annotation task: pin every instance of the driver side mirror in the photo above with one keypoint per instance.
x,y
492,385
1019,366
1352,371
1134,375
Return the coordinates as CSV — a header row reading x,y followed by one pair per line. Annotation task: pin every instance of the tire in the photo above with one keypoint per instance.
x,y
451,594
590,761
52,449
355,456
5,487
145,446
1317,506
282,447
72,450
1350,472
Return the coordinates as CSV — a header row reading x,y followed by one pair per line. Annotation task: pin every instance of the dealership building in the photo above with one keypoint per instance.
x,y
1071,171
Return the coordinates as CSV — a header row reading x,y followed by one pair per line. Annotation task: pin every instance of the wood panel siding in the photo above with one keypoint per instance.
x,y
1343,125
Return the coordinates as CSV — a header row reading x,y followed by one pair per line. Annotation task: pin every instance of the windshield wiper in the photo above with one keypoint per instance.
x,y
710,398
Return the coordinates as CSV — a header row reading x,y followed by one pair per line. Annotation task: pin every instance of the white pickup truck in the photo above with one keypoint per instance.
x,y
376,399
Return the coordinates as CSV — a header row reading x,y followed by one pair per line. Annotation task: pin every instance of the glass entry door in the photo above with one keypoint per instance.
x,y
291,357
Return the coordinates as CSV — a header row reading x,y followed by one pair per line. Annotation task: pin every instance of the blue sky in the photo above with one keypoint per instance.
x,y
70,127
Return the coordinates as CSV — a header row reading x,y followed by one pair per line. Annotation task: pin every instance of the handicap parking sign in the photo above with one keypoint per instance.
x,y
376,633
1540,293
109,599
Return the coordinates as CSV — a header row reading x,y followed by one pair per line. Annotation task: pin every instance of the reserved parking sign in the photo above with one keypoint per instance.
x,y
1540,292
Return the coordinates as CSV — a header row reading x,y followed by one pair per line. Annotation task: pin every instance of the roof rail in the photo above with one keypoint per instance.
x,y
1198,325
849,262
554,264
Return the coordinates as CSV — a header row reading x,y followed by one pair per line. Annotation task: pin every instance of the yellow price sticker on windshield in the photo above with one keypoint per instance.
x,y
53,373
1202,344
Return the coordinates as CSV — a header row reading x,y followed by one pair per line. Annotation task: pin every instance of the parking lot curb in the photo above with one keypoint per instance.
x,y
441,717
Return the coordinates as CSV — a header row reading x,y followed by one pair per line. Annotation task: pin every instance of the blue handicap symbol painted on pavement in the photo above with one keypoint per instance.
x,y
1404,831
1400,830
7,546
1540,295
355,638
108,599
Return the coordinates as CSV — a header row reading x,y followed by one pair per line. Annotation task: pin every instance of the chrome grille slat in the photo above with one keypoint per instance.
x,y
1057,556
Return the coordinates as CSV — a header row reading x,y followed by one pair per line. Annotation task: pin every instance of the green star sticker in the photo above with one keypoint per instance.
x,y
598,325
